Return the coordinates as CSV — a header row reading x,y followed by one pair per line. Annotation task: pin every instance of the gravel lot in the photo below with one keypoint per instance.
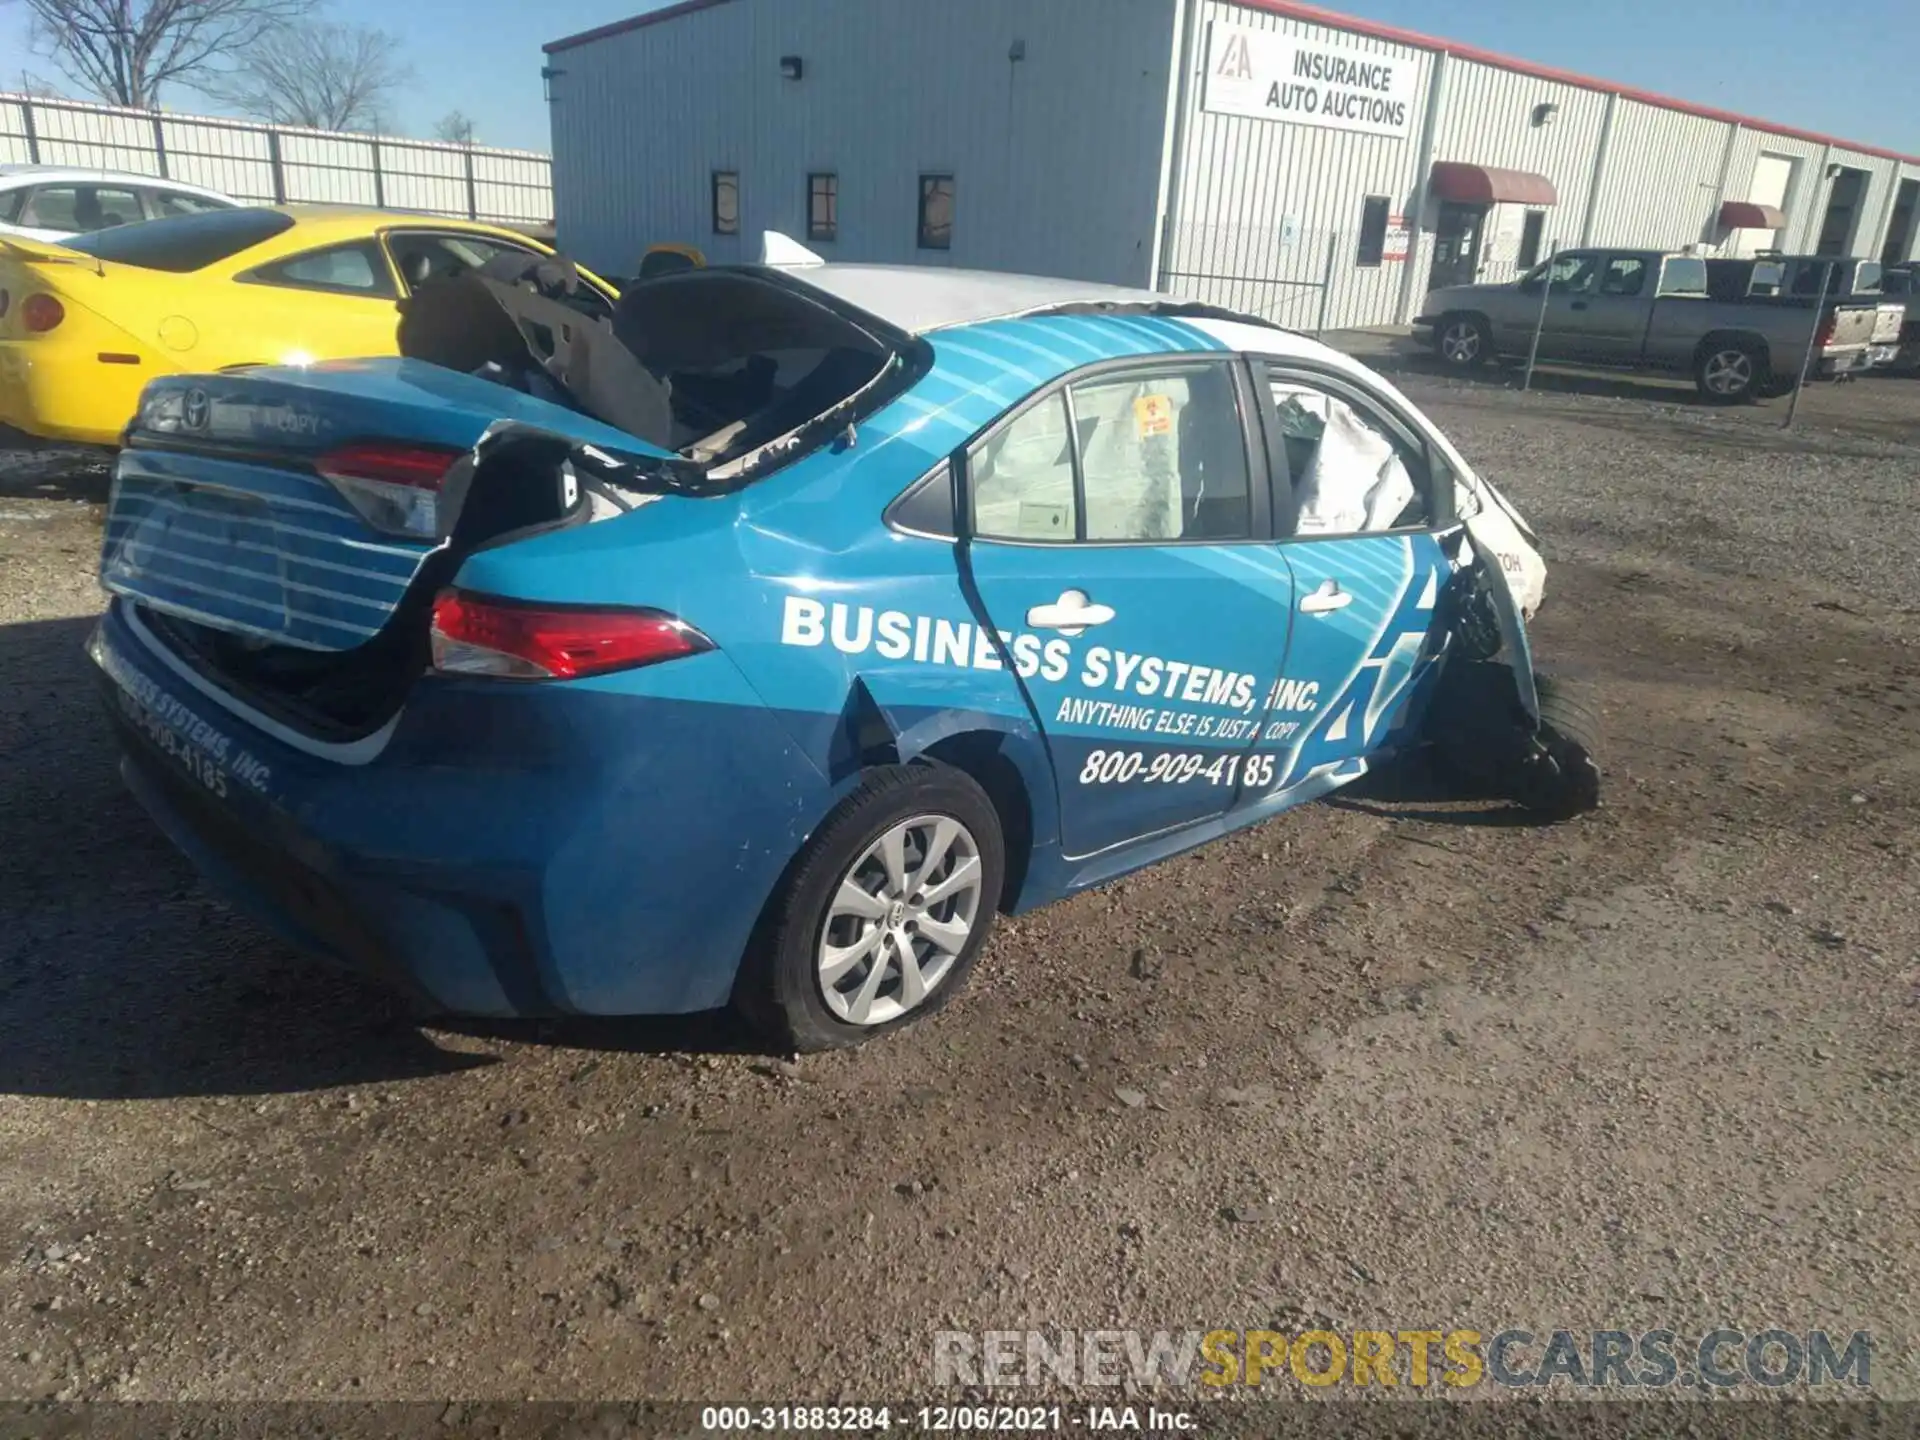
x,y
1395,1061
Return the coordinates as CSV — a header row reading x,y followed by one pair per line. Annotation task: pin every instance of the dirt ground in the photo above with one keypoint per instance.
x,y
1393,1061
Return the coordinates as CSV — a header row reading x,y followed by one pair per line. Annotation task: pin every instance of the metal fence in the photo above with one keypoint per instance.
x,y
279,164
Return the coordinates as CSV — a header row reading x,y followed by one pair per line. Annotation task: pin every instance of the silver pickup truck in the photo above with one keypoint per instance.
x,y
1647,310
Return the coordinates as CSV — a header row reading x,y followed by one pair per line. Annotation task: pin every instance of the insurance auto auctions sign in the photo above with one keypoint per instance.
x,y
1271,76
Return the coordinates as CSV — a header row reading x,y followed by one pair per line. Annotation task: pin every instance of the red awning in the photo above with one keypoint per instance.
x,y
1486,185
1750,215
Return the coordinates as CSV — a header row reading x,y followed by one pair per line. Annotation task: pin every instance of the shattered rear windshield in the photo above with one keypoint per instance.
x,y
184,242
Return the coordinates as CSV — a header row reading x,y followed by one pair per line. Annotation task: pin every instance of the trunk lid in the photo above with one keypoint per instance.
x,y
220,514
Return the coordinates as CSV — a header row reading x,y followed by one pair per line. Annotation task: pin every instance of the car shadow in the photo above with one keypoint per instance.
x,y
706,1032
31,470
121,976
1413,787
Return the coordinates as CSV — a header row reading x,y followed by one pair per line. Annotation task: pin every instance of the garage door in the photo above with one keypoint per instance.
x,y
1772,182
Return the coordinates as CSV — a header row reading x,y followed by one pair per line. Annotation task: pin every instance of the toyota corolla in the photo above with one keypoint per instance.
x,y
762,645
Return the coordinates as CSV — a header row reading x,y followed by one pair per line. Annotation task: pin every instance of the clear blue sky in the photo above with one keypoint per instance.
x,y
1845,67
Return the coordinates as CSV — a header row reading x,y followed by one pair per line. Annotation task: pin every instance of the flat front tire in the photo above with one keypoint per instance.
x,y
1481,735
882,915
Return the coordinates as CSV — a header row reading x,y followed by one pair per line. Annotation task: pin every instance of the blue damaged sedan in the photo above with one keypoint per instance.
x,y
757,639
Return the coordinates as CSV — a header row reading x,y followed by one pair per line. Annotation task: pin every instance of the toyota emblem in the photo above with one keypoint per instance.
x,y
196,410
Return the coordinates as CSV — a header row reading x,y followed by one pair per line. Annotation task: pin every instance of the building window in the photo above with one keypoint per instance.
x,y
1531,230
726,202
936,212
1373,232
823,205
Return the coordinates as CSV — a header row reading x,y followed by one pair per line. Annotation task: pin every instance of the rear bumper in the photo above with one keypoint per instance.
x,y
501,850
54,392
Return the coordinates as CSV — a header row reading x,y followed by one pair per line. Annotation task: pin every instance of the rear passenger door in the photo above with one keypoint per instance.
x,y
1115,535
1362,504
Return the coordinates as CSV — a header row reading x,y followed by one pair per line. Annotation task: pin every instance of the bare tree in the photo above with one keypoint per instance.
x,y
328,76
454,127
124,50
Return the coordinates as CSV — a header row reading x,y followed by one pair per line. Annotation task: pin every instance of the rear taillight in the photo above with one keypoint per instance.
x,y
511,639
41,313
396,488
1823,337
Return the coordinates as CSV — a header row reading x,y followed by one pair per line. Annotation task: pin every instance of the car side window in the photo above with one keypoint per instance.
x,y
1353,471
1573,274
166,203
1162,455
1624,275
82,209
1145,454
355,269
423,257
1020,479
11,203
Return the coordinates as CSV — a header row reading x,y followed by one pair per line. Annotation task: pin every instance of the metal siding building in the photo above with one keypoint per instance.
x,y
1086,138
1054,156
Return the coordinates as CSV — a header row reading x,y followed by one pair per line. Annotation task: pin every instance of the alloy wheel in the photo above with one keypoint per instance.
x,y
1460,344
1728,372
899,920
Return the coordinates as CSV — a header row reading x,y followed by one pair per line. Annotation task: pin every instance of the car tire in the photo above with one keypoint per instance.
x,y
1562,778
1729,372
808,982
1462,342
1480,735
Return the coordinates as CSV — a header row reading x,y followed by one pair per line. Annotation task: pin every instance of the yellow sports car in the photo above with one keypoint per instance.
x,y
84,325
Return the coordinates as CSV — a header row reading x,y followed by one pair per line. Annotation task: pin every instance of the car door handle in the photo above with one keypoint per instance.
x,y
1579,305
1071,614
1328,598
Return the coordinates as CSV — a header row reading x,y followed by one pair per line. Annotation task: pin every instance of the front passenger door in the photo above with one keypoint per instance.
x,y
1368,569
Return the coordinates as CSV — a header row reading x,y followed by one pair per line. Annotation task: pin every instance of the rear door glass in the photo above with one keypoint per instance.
x,y
1022,477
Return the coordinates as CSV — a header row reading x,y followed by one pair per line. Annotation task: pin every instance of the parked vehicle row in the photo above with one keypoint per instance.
x,y
1740,329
